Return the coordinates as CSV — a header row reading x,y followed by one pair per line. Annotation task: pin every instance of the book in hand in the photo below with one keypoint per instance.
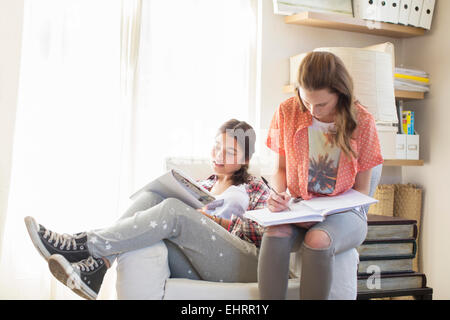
x,y
313,210
390,228
176,184
375,282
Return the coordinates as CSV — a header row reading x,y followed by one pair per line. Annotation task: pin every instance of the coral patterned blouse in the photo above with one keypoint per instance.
x,y
288,136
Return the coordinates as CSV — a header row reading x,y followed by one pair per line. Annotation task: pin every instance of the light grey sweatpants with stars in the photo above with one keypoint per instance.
x,y
194,241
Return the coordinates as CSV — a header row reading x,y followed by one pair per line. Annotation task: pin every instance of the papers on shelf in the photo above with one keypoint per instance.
x,y
411,80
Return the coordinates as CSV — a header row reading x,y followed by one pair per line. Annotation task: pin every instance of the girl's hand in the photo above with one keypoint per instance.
x,y
278,202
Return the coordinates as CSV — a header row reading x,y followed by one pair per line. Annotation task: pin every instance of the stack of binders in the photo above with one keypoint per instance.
x,y
386,256
411,80
417,13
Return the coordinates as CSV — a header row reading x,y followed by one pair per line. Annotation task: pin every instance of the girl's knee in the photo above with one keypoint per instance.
x,y
175,207
317,239
151,196
280,231
172,203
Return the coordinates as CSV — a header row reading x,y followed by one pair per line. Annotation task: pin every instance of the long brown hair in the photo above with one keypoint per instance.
x,y
245,136
324,70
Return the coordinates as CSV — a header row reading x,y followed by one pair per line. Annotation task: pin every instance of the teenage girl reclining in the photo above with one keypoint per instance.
x,y
219,243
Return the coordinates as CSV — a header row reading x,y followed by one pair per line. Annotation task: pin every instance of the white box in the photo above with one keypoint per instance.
x,y
416,11
412,147
427,14
405,9
386,135
400,146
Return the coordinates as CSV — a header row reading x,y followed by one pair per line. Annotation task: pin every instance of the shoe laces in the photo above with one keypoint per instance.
x,y
67,241
89,264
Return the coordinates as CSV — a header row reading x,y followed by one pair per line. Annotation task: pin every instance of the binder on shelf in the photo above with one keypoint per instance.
x,y
405,9
393,12
407,146
365,9
412,146
388,11
400,146
416,11
386,136
427,14
383,10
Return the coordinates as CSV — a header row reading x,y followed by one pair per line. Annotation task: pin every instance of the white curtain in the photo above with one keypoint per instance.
x,y
196,70
67,142
109,89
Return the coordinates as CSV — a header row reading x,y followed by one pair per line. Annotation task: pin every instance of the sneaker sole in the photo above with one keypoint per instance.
x,y
33,228
65,273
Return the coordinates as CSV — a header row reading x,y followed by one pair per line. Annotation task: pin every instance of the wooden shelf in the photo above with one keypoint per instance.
x,y
347,23
401,162
399,94
409,95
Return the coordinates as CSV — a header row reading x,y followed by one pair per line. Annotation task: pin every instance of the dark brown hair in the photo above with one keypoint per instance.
x,y
245,136
324,70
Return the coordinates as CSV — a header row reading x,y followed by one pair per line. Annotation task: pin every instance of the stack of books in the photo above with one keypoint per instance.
x,y
407,122
411,80
386,256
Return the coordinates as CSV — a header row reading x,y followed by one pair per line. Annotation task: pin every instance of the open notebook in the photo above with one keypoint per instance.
x,y
313,210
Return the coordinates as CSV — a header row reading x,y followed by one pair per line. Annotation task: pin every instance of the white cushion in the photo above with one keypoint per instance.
x,y
178,289
142,274
342,288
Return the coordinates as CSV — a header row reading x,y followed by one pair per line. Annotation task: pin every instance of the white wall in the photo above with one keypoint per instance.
x,y
432,116
11,17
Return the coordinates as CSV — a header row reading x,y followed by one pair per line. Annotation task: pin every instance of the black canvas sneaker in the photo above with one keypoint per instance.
x,y
84,277
47,242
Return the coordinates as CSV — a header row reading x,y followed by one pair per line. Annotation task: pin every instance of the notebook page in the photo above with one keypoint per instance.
x,y
347,200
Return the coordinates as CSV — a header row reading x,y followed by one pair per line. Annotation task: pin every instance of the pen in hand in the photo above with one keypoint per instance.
x,y
267,184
